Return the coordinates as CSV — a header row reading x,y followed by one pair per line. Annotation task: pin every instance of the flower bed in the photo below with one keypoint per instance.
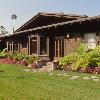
x,y
82,60
7,61
92,70
19,59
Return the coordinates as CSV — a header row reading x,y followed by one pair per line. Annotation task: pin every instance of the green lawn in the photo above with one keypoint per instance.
x,y
16,84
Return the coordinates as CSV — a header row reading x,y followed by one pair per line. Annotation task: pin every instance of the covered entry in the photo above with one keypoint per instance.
x,y
58,47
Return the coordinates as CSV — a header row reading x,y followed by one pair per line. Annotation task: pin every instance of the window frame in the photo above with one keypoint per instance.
x,y
45,52
14,45
10,47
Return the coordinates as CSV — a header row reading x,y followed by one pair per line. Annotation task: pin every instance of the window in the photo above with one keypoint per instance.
x,y
10,46
43,45
15,46
34,45
24,44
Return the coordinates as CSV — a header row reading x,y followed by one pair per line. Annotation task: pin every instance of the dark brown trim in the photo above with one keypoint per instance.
x,y
29,44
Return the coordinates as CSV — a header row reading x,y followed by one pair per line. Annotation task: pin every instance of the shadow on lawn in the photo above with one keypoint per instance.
x,y
21,77
1,71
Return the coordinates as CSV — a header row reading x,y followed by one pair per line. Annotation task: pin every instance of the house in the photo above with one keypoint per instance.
x,y
2,42
53,35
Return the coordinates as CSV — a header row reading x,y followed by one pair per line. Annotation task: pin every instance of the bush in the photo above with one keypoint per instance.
x,y
3,55
89,59
82,58
67,60
11,56
17,58
23,62
31,59
33,65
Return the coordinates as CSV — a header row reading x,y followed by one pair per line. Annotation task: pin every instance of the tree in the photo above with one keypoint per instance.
x,y
13,17
3,30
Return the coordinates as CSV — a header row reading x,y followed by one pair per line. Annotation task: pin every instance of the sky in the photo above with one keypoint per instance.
x,y
26,9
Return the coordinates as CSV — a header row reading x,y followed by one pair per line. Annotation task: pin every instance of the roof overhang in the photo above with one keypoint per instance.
x,y
43,16
97,18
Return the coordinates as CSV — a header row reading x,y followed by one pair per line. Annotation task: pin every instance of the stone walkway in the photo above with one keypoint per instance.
x,y
75,77
71,77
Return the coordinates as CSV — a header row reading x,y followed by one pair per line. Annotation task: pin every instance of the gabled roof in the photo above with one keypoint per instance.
x,y
40,19
80,20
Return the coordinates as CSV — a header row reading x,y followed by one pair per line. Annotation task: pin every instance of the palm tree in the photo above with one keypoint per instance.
x,y
13,17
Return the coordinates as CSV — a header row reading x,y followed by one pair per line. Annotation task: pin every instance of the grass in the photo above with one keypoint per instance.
x,y
16,84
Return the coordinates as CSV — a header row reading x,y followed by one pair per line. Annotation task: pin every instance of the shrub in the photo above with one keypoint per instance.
x,y
33,65
23,62
89,59
67,68
17,58
3,55
31,59
67,60
11,56
82,59
81,49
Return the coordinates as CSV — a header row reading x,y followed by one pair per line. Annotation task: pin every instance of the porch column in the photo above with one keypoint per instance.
x,y
7,45
48,45
29,45
65,52
38,45
13,47
18,47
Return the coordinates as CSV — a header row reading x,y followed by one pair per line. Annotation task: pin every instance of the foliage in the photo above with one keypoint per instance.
x,y
73,57
90,59
33,65
82,58
24,62
3,30
16,58
81,49
3,55
31,59
67,59
19,56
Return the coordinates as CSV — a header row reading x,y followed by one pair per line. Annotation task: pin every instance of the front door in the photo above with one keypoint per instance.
x,y
59,47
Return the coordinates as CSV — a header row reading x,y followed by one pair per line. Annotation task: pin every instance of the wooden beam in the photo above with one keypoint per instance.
x,y
48,45
55,47
38,44
29,45
58,48
7,43
61,51
65,47
18,47
12,46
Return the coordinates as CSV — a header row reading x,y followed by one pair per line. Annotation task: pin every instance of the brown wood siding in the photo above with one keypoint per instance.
x,y
25,49
72,44
98,38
